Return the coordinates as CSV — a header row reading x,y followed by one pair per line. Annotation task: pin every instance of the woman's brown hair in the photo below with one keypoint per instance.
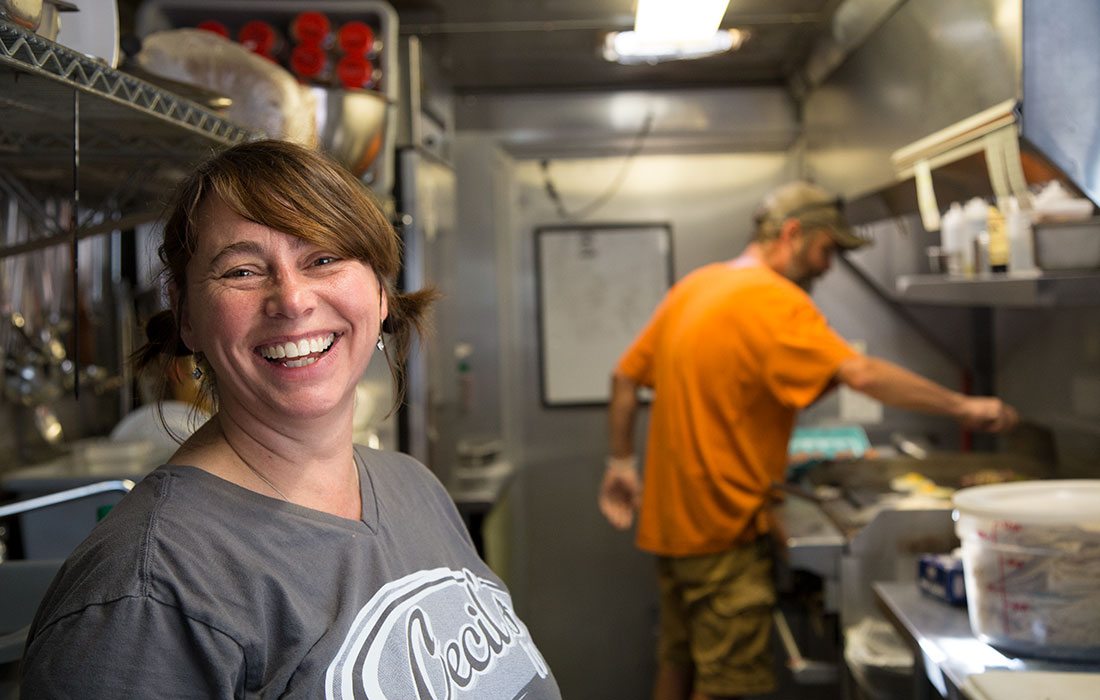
x,y
299,192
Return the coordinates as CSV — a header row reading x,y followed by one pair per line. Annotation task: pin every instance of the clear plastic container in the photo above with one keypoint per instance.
x,y
1031,562
1021,242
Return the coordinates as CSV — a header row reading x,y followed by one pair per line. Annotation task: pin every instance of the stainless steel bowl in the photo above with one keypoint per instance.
x,y
350,124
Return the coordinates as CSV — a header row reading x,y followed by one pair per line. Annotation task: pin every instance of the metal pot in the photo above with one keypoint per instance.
x,y
25,13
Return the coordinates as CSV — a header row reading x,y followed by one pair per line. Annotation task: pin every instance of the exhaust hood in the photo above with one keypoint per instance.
x,y
1049,130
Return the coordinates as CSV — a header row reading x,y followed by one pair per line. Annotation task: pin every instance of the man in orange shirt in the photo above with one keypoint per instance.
x,y
733,352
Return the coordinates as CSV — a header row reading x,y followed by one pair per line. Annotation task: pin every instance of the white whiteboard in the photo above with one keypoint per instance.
x,y
597,287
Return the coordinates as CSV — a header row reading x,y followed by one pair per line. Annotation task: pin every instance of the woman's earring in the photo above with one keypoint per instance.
x,y
381,345
196,373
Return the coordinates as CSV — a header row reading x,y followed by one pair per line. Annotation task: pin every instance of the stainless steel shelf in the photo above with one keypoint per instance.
x,y
134,136
1046,289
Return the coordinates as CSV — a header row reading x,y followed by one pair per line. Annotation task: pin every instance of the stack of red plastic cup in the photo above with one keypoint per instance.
x,y
309,59
355,69
261,38
213,25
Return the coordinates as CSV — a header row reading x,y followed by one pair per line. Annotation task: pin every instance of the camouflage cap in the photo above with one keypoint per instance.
x,y
813,207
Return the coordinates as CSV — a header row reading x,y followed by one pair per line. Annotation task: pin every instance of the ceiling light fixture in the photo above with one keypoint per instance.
x,y
679,19
632,48
673,30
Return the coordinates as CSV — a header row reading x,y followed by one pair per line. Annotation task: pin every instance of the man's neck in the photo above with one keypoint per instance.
x,y
757,253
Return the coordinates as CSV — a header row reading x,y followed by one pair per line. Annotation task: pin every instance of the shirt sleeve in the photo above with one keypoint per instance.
x,y
134,647
805,357
637,362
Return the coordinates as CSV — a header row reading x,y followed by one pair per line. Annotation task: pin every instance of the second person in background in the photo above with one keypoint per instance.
x,y
733,353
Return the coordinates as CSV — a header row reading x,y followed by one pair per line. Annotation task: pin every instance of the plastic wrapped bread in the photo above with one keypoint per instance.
x,y
266,97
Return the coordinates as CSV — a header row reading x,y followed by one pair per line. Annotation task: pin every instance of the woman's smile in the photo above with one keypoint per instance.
x,y
298,353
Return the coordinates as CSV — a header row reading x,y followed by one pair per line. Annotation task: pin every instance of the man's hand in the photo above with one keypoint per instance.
x,y
621,491
988,413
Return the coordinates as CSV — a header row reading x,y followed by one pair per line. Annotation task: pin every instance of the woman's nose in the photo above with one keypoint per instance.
x,y
290,296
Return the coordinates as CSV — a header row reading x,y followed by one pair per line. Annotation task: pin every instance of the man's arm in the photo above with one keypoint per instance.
x,y
897,386
621,490
621,414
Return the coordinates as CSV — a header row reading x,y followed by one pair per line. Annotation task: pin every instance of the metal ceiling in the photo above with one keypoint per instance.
x,y
551,45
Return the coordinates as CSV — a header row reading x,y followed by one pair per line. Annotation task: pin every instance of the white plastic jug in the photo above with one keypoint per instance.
x,y
952,233
975,217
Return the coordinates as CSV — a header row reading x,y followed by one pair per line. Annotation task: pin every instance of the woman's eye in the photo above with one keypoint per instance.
x,y
325,260
239,272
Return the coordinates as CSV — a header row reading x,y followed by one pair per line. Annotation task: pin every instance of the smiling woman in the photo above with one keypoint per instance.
x,y
271,556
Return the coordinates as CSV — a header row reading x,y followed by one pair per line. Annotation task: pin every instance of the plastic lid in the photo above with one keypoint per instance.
x,y
257,36
355,38
1055,501
213,25
310,28
354,71
307,61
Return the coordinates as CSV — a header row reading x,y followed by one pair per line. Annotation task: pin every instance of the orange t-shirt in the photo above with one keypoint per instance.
x,y
732,353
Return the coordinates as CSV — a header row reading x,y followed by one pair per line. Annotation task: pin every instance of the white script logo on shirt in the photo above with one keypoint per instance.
x,y
435,635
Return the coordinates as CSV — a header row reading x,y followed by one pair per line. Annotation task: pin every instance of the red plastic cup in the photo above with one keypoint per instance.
x,y
355,72
213,25
259,37
355,38
310,28
308,61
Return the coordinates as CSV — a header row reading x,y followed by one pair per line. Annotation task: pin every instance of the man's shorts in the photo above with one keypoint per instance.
x,y
716,616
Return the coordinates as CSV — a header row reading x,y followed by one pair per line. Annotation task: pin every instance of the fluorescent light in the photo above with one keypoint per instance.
x,y
679,19
630,48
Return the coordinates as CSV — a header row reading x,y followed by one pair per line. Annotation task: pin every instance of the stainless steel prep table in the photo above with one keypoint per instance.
x,y
946,648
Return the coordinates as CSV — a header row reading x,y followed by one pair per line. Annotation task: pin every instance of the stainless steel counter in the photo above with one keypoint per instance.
x,y
947,650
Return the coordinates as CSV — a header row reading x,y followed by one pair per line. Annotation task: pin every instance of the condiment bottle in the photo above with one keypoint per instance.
x,y
952,234
1021,243
975,215
998,240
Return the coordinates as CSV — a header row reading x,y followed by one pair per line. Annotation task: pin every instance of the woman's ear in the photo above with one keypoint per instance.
x,y
383,301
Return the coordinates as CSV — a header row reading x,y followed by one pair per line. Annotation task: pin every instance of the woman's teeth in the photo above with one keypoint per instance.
x,y
300,363
297,353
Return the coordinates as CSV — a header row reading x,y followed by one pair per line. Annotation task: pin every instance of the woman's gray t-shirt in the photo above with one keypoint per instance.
x,y
194,587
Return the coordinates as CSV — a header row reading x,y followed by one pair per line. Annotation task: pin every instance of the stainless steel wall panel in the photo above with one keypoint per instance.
x,y
600,124
933,63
